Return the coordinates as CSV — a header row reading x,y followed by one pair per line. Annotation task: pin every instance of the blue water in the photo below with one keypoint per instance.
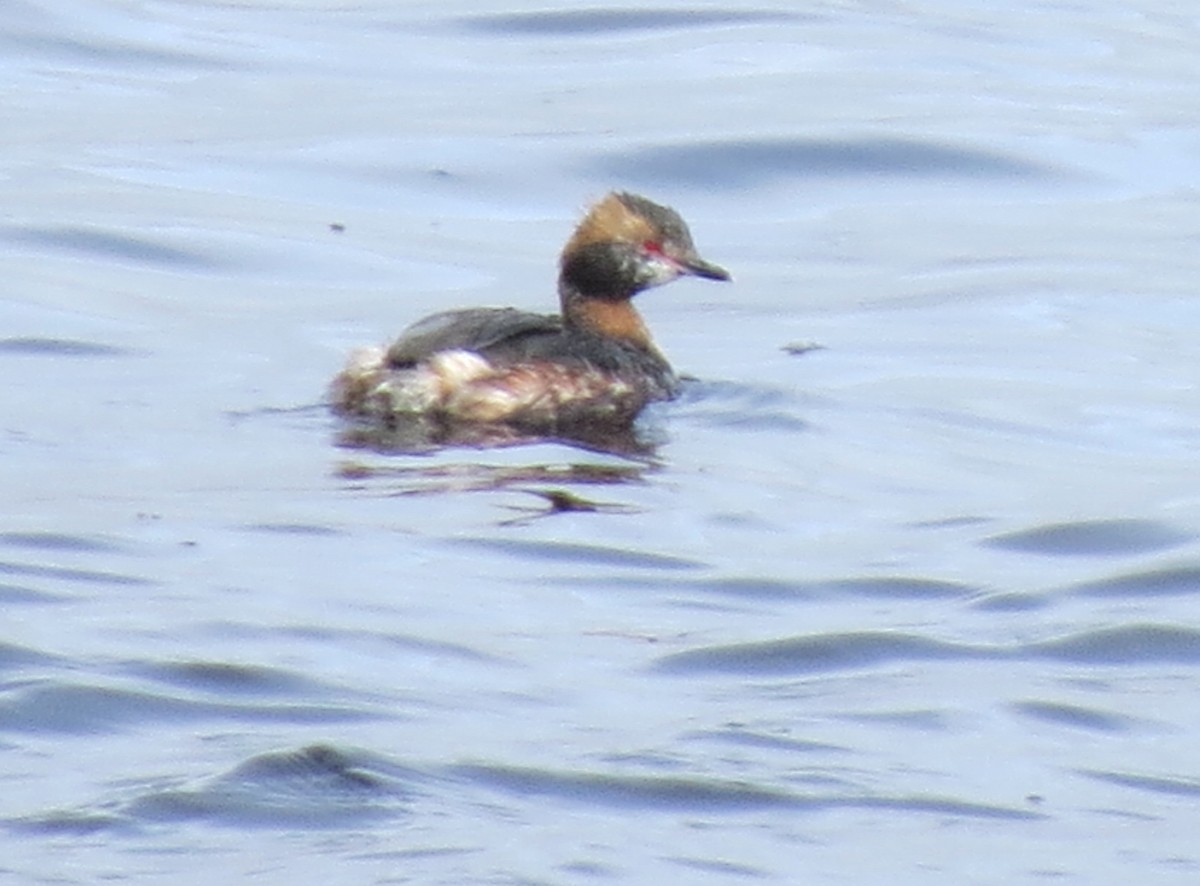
x,y
904,589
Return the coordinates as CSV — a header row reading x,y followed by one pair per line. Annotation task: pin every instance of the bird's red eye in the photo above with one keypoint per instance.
x,y
653,247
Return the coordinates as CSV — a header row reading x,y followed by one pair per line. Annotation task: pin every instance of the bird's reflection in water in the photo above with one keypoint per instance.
x,y
419,435
549,483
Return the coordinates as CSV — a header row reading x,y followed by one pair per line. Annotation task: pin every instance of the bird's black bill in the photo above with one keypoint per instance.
x,y
698,267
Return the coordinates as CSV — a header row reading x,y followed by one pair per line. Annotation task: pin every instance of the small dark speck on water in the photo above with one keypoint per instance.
x,y
797,348
337,227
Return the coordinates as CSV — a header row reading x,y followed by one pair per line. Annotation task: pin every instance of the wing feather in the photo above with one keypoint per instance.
x,y
501,333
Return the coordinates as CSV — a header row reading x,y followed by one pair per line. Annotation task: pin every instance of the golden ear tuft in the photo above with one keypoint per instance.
x,y
610,220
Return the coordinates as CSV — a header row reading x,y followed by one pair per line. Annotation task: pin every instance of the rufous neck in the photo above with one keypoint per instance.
x,y
614,318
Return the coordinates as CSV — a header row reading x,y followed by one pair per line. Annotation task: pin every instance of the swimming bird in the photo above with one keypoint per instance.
x,y
594,363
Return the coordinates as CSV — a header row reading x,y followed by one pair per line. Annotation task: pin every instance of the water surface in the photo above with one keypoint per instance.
x,y
909,566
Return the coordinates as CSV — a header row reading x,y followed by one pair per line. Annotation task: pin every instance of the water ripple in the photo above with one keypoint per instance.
x,y
591,555
1166,582
314,786
224,678
18,594
88,576
1145,644
719,867
587,22
105,52
756,588
1155,784
747,407
62,347
345,638
741,163
53,707
741,737
1074,716
646,792
57,541
821,652
1092,538
93,242
13,656
704,795
901,587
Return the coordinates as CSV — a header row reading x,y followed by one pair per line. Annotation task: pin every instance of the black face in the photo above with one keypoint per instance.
x,y
613,271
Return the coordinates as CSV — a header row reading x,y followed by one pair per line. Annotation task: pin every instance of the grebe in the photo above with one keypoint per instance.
x,y
595,363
